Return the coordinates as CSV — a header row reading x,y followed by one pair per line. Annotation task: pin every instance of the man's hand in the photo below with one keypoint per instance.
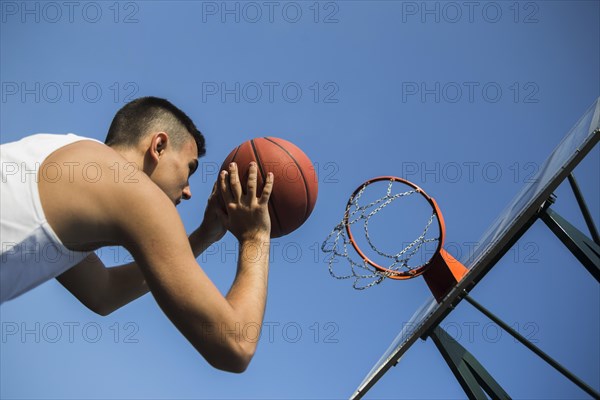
x,y
214,224
247,216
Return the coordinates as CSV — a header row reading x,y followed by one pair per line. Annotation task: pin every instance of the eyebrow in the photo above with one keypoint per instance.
x,y
193,166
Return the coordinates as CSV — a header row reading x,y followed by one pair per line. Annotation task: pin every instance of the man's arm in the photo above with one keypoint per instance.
x,y
104,290
154,234
135,213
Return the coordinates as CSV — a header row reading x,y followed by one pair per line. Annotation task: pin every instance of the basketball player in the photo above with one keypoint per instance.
x,y
64,196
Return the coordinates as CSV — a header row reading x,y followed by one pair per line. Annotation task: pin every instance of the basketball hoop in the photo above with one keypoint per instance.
x,y
441,271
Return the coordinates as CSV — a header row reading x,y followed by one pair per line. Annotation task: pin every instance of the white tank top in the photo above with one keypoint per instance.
x,y
31,253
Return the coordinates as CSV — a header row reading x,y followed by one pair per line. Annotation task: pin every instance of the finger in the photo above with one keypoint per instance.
x,y
252,180
267,190
234,182
224,186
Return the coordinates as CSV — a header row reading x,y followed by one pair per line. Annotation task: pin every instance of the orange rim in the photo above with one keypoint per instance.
x,y
392,273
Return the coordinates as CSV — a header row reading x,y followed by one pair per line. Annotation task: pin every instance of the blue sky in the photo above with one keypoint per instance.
x,y
375,88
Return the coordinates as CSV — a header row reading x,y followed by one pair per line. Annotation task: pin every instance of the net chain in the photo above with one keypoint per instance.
x,y
337,242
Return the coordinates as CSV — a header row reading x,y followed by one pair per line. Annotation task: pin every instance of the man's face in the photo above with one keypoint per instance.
x,y
174,169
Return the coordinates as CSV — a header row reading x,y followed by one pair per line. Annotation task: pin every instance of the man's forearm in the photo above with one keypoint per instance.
x,y
199,241
248,294
126,283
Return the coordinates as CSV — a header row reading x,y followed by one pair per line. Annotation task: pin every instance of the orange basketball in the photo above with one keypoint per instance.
x,y
295,187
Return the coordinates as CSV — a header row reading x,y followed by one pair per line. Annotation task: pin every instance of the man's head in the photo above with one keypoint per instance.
x,y
164,140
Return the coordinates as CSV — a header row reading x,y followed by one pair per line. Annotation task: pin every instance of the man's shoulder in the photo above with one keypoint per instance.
x,y
48,137
85,150
88,189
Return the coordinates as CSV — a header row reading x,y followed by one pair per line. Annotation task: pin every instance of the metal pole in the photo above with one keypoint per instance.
x,y
581,246
470,374
584,210
534,349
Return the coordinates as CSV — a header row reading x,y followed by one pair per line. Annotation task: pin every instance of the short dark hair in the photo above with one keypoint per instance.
x,y
140,116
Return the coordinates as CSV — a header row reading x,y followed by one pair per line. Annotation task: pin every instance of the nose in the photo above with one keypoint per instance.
x,y
187,193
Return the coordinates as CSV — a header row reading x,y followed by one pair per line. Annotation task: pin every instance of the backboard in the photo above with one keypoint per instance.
x,y
518,216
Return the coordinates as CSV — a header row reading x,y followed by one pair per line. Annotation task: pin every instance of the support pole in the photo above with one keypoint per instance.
x,y
589,221
472,377
582,247
565,372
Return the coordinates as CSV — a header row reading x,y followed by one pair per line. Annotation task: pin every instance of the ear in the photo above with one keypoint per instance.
x,y
158,145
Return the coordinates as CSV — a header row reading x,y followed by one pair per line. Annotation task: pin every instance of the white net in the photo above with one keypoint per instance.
x,y
342,265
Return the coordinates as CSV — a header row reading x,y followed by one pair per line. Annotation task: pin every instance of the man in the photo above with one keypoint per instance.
x,y
64,196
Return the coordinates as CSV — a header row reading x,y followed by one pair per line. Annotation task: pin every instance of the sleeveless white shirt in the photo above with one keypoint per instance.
x,y
30,252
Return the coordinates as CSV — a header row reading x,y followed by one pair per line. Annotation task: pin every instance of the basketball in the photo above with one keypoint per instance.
x,y
295,186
